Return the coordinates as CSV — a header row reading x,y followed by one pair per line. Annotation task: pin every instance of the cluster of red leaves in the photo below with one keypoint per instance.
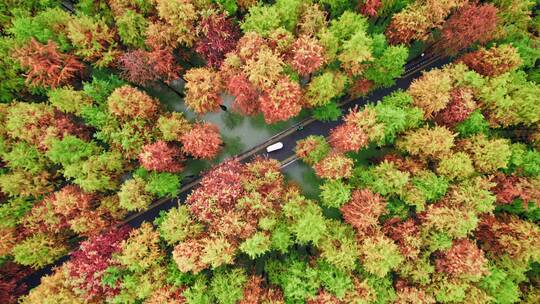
x,y
145,67
202,141
231,199
508,188
403,232
164,64
219,189
10,286
369,8
249,45
89,262
254,74
334,166
65,125
246,99
68,207
464,258
70,200
46,65
492,62
397,33
58,126
363,211
361,87
282,102
470,24
348,138
220,36
41,126
307,55
255,292
459,108
162,156
507,235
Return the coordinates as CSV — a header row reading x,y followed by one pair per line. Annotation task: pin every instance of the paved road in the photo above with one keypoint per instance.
x,y
286,155
289,138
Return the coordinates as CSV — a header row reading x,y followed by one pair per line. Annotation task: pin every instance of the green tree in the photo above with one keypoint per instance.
x,y
388,67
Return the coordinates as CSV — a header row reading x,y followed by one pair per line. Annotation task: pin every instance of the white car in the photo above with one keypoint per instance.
x,y
274,147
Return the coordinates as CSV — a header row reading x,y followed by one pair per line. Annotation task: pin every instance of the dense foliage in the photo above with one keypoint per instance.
x,y
430,195
448,212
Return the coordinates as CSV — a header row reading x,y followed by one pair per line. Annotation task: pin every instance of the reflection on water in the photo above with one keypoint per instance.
x,y
239,133
303,176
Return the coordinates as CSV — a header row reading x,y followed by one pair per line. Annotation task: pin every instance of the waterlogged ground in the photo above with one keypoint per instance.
x,y
239,133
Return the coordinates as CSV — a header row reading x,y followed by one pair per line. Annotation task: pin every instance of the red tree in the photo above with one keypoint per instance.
x,y
202,141
307,55
135,68
470,24
219,37
54,212
361,87
282,102
363,210
464,259
369,8
89,262
459,108
246,96
507,234
128,103
67,209
220,189
334,166
144,67
65,125
164,64
70,200
406,234
348,138
494,61
509,188
46,65
162,156
11,287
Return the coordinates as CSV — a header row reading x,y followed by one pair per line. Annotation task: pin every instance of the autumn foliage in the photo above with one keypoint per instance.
x,y
203,87
220,37
46,65
472,23
493,61
202,141
430,195
282,102
88,264
417,20
147,67
246,97
307,55
162,157
369,7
